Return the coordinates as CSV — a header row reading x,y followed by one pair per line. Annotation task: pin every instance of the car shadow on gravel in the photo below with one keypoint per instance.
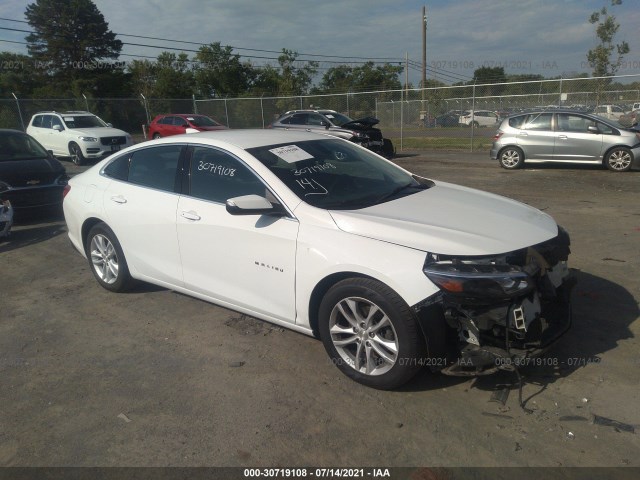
x,y
32,229
602,314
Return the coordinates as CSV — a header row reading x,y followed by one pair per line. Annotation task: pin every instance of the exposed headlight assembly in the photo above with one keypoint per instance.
x,y
479,280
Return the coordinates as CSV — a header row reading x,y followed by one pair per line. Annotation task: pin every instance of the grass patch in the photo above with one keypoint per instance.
x,y
443,143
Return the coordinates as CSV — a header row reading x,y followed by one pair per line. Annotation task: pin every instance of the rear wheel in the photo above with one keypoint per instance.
x,y
619,159
106,259
370,333
511,158
76,154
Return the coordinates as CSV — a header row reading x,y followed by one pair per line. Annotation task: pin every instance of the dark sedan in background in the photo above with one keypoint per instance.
x,y
30,177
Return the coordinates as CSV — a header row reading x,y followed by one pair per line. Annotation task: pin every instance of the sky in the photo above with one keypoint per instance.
x,y
547,37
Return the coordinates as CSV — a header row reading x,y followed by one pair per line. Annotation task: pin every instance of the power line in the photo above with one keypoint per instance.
x,y
366,59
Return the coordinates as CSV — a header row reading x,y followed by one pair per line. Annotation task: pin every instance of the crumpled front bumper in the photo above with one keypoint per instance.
x,y
484,335
6,218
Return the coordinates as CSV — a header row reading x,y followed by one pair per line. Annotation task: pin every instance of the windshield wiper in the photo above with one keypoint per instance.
x,y
397,190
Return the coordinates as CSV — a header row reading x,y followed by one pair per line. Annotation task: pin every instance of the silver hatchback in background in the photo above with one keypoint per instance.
x,y
565,136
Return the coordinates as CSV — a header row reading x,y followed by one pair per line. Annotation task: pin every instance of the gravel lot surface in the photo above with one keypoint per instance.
x,y
155,378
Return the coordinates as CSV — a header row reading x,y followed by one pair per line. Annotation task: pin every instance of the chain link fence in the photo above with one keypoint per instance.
x,y
411,117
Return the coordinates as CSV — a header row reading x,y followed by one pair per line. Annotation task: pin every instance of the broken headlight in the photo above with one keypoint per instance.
x,y
479,280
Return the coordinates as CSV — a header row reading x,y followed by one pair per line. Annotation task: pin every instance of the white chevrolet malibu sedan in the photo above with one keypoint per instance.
x,y
394,272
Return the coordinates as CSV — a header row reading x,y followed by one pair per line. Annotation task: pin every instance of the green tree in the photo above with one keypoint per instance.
x,y
606,57
71,39
219,72
366,77
489,75
16,74
294,79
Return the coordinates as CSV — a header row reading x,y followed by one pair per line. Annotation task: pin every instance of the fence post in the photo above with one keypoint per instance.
x,y
19,111
226,112
86,102
401,120
146,108
262,110
348,110
473,109
560,95
195,105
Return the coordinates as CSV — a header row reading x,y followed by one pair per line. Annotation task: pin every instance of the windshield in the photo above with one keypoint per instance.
x,y
19,146
84,121
335,174
202,121
336,118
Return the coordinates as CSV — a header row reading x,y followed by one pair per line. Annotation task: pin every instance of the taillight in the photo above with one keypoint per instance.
x,y
497,136
66,190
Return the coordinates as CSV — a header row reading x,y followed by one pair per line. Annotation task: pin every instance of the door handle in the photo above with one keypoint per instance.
x,y
190,215
563,137
119,199
523,134
308,129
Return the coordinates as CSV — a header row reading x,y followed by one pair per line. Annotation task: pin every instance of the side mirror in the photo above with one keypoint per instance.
x,y
57,128
252,205
50,154
593,129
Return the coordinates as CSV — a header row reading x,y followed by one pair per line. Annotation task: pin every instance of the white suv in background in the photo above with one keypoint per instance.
x,y
76,134
612,112
479,118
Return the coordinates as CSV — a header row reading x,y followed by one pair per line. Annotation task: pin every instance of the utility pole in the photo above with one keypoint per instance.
x,y
424,48
406,72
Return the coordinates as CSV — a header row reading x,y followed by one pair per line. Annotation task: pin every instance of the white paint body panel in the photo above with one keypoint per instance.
x,y
269,266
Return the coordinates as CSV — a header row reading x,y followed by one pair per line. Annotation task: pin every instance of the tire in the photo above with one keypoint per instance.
x,y
475,124
106,259
156,136
388,150
370,333
511,158
619,159
76,154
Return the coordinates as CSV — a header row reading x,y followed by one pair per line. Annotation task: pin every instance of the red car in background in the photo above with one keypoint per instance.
x,y
177,123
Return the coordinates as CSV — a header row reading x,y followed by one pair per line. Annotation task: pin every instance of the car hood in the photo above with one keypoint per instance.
x,y
451,220
366,122
18,172
99,132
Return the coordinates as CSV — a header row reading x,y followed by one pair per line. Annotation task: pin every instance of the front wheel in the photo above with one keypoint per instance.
x,y
511,158
370,333
76,154
619,159
106,259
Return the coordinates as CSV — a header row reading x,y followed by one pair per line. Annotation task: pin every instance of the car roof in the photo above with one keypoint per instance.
x,y
245,138
67,112
182,115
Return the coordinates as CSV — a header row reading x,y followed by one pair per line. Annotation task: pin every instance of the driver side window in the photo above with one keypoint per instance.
x,y
217,176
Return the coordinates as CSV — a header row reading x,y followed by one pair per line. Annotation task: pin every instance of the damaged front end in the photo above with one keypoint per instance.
x,y
6,217
501,310
367,135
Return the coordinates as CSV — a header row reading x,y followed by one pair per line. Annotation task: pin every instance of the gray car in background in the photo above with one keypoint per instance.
x,y
565,136
361,131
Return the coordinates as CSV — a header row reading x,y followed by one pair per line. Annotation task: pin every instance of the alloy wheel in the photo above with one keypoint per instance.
x,y
363,336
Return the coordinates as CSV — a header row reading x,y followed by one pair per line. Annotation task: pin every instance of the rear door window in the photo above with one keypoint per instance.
x,y
539,122
154,167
